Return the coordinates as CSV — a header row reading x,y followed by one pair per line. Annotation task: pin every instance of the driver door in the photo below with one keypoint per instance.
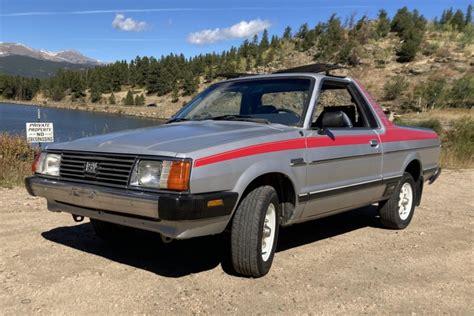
x,y
344,163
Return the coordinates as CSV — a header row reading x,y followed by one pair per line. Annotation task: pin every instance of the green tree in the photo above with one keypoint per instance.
x,y
468,19
96,95
410,27
57,93
275,42
331,39
383,24
112,99
190,84
128,98
287,33
140,99
264,43
175,93
458,21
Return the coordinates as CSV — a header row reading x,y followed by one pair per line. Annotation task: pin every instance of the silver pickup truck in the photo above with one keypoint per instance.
x,y
246,156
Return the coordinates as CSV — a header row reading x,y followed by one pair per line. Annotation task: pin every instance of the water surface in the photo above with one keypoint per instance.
x,y
68,124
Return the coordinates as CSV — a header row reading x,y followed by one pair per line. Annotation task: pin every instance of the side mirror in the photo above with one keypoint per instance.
x,y
335,119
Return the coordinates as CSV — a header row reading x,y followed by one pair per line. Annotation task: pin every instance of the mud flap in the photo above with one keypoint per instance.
x,y
419,190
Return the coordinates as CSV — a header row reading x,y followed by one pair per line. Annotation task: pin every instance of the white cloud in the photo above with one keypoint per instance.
x,y
128,24
240,30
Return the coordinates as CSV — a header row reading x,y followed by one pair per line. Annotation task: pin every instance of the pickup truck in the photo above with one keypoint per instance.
x,y
246,156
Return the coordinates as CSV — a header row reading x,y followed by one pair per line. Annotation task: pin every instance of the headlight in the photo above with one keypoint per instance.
x,y
161,174
47,164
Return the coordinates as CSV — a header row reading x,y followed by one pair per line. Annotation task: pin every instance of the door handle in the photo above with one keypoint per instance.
x,y
373,143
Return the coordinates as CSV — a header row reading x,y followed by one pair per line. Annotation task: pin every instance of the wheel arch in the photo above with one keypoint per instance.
x,y
415,169
284,186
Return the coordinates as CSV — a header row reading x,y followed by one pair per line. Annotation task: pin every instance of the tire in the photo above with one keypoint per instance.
x,y
395,213
250,254
108,231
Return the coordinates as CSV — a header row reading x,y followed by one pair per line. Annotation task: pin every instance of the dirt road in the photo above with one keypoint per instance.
x,y
342,264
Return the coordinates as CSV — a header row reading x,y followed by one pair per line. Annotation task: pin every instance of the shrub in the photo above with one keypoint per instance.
x,y
128,98
433,124
16,157
461,93
394,87
432,93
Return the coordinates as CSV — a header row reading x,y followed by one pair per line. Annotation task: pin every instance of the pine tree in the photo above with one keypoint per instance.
x,y
190,84
383,24
468,19
264,43
275,42
139,100
96,95
458,20
175,93
128,98
112,99
287,33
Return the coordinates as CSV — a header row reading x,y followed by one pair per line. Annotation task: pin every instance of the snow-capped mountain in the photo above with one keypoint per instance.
x,y
68,56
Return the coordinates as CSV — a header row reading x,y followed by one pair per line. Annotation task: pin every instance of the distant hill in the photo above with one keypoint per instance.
x,y
31,67
19,59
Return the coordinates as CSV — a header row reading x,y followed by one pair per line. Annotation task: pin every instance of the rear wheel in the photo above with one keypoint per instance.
x,y
397,212
254,232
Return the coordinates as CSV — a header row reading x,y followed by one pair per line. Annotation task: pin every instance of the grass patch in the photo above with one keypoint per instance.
x,y
458,144
16,157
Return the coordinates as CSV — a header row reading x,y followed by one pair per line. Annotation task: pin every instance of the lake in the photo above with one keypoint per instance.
x,y
68,124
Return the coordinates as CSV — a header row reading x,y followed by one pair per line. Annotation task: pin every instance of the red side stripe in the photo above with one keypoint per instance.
x,y
391,135
252,150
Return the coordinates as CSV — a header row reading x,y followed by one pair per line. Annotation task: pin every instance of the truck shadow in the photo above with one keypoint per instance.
x,y
144,250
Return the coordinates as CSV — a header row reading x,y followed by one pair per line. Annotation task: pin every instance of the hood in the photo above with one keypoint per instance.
x,y
170,139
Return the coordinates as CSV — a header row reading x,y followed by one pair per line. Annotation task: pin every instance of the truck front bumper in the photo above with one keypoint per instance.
x,y
172,215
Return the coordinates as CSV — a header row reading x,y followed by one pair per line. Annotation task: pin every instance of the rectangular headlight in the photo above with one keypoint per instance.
x,y
47,164
162,174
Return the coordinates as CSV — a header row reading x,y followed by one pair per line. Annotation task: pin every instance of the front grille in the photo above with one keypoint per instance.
x,y
108,169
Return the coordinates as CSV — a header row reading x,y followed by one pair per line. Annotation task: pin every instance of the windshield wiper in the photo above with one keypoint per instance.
x,y
176,119
245,118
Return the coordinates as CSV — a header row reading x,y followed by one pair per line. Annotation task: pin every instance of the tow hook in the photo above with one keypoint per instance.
x,y
166,240
77,218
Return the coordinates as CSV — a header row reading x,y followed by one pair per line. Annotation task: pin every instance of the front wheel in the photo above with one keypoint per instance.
x,y
397,212
254,232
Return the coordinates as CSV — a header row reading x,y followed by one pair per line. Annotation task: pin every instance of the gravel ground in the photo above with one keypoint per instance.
x,y
344,264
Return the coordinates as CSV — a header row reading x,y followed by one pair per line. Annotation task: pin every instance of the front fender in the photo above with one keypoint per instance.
x,y
295,174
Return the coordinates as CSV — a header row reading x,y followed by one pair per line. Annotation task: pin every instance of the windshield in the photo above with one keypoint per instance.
x,y
276,100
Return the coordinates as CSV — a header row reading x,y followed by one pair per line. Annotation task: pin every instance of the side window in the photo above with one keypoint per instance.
x,y
222,102
337,97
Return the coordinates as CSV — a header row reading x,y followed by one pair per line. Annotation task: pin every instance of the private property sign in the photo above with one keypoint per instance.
x,y
39,132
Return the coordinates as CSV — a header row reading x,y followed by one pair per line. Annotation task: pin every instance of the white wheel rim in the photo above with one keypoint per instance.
x,y
405,201
268,232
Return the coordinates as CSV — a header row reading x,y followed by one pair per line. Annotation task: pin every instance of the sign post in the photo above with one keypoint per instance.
x,y
39,132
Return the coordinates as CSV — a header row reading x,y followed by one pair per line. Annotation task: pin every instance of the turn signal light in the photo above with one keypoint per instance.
x,y
178,178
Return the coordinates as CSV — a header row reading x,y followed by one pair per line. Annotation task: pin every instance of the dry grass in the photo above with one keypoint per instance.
x,y
16,157
458,144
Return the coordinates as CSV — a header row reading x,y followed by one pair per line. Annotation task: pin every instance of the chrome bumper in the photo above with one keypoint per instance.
x,y
175,216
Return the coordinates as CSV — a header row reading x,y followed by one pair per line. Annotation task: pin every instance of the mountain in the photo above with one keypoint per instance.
x,y
19,59
68,56
25,66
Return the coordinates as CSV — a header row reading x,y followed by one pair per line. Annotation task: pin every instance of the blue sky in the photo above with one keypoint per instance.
x,y
116,29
